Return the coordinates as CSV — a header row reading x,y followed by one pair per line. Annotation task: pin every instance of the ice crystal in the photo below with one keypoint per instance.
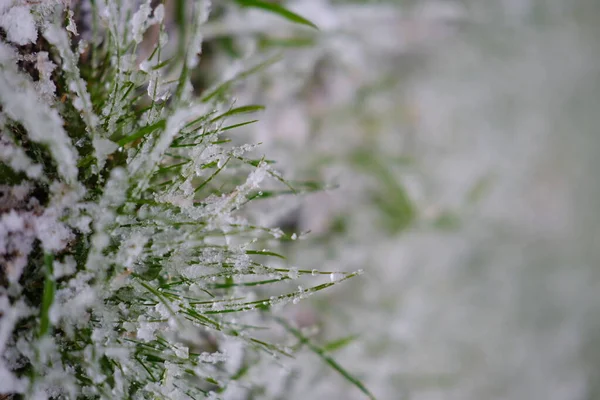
x,y
19,25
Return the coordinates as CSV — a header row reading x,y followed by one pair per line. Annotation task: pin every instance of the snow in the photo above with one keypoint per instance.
x,y
10,315
17,159
182,351
10,383
103,147
45,86
20,101
138,21
19,25
195,46
212,358
146,330
82,101
335,276
293,273
16,242
159,13
66,268
148,162
53,234
71,26
12,221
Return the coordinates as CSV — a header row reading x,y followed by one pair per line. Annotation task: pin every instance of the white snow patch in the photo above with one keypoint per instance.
x,y
19,25
103,147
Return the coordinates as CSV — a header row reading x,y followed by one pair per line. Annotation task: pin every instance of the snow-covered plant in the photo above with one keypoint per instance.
x,y
128,266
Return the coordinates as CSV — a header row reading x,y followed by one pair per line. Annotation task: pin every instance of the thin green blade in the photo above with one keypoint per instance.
x,y
277,9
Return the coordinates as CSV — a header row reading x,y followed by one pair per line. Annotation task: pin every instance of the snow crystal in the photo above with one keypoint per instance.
x,y
212,357
16,242
195,46
19,25
68,267
20,101
194,51
71,26
139,21
235,354
293,273
185,200
162,310
45,86
146,162
82,223
257,176
10,315
117,352
159,13
10,383
53,234
132,249
242,261
82,102
212,396
182,351
12,221
335,276
17,159
146,330
114,193
76,299
103,147
100,240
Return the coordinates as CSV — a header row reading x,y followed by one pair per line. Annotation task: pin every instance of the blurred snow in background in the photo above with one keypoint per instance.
x,y
463,136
